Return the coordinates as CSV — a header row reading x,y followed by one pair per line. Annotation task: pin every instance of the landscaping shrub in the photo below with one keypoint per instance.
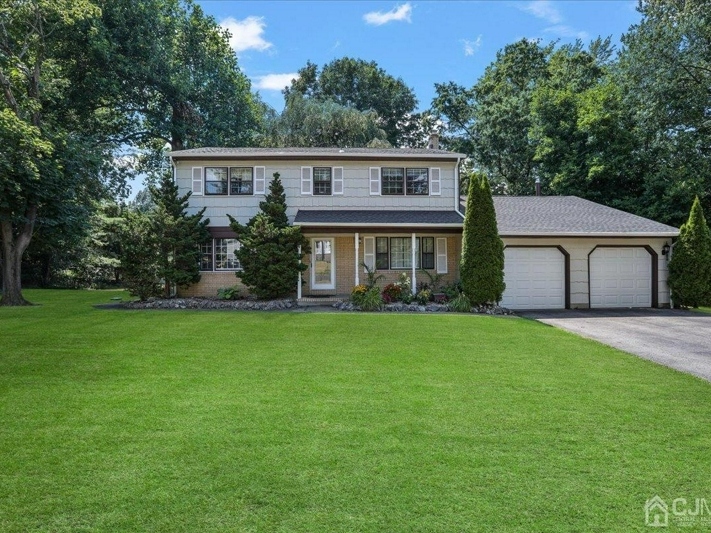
x,y
372,274
690,263
424,296
371,300
228,293
460,304
392,293
358,293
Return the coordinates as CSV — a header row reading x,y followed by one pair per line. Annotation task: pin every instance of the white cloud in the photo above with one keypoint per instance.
x,y
470,47
246,34
275,82
378,18
543,9
562,30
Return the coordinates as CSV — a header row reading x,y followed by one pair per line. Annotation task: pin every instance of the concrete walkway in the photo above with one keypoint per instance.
x,y
675,338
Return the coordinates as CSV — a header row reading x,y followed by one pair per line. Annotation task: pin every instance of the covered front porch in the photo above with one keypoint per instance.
x,y
341,251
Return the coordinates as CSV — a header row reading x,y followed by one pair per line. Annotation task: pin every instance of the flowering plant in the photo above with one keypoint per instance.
x,y
392,293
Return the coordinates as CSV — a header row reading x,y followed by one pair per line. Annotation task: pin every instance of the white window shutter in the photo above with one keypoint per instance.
x,y
197,181
337,180
375,181
441,255
306,181
435,183
369,252
260,180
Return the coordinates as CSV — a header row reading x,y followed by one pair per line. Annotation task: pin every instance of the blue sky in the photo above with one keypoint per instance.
x,y
423,42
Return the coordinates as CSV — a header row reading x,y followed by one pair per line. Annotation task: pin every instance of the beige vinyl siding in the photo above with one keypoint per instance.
x,y
356,188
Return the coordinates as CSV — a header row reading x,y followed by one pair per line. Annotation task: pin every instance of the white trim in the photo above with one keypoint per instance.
x,y
298,282
413,245
357,254
332,284
433,181
337,184
306,181
374,184
580,234
260,183
441,253
198,182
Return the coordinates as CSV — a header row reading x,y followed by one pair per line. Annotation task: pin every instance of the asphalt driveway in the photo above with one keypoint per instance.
x,y
675,338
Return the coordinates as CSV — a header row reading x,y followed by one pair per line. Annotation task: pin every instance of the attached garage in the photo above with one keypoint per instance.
x,y
535,278
622,277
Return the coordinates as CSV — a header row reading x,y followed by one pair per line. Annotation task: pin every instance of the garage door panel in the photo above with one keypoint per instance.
x,y
535,278
620,277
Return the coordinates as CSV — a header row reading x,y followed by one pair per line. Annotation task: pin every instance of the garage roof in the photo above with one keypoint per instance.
x,y
571,216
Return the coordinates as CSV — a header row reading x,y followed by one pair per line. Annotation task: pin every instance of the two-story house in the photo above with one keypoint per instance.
x,y
398,210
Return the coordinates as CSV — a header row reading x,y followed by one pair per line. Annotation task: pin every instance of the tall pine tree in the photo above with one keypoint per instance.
x,y
690,264
482,263
269,253
177,235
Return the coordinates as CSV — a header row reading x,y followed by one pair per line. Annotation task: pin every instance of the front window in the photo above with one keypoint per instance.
x,y
215,180
322,180
401,253
393,181
418,180
428,253
225,258
241,180
206,256
381,253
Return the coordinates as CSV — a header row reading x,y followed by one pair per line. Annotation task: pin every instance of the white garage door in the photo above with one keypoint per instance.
x,y
535,278
620,277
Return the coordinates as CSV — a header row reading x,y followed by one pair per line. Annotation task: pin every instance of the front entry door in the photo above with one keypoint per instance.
x,y
323,266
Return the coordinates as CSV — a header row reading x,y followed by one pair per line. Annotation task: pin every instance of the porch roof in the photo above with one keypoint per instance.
x,y
377,217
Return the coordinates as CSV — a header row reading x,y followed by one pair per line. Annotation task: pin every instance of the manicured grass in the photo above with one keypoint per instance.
x,y
117,420
705,309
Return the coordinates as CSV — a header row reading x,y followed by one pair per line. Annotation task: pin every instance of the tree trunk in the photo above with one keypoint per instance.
x,y
12,250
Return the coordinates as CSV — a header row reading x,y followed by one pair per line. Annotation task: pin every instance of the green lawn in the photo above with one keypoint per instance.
x,y
232,421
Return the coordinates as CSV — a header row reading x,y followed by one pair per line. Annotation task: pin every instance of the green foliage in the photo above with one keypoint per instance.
x,y
359,85
177,235
139,256
371,300
424,296
229,293
435,280
358,292
372,275
270,252
482,263
452,290
690,264
322,123
460,304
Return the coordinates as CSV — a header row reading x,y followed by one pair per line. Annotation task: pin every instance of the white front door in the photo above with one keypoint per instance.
x,y
323,266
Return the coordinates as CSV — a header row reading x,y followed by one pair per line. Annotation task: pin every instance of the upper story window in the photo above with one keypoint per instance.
x,y
241,180
215,180
229,180
417,180
322,180
405,181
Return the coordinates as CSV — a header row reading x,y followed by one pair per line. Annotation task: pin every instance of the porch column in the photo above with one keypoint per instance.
x,y
357,254
414,268
298,281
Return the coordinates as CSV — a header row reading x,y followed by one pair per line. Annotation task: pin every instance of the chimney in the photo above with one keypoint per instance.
x,y
538,186
433,143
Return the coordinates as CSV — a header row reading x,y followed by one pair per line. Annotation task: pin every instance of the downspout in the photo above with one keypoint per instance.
x,y
456,188
669,256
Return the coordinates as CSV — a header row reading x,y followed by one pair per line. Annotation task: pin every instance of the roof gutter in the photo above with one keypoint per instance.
x,y
377,224
595,234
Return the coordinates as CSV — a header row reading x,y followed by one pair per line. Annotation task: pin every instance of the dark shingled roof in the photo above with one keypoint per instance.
x,y
331,153
377,217
569,215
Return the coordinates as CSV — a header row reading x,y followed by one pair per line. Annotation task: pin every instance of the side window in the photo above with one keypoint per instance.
x,y
322,181
382,258
241,180
428,253
206,256
393,181
418,181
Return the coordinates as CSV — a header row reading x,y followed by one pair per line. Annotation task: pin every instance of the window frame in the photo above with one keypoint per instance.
x,y
418,262
433,253
382,255
407,181
383,188
316,184
226,182
207,251
237,266
241,181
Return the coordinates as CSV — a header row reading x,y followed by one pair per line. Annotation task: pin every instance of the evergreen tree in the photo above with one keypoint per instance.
x,y
482,263
177,235
139,256
269,253
690,264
